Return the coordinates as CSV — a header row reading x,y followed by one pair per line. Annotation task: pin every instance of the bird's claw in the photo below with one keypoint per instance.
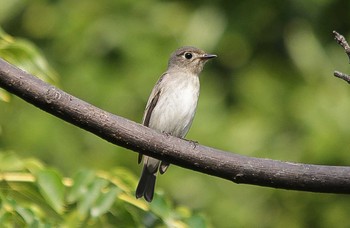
x,y
193,142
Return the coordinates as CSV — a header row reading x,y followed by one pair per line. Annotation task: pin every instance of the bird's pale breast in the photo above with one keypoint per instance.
x,y
177,104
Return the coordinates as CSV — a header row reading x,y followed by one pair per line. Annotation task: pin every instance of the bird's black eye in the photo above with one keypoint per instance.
x,y
188,55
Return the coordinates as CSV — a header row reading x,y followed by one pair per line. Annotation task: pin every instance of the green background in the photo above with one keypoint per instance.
x,y
270,93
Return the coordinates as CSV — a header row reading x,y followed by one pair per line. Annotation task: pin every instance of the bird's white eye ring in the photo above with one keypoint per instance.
x,y
188,55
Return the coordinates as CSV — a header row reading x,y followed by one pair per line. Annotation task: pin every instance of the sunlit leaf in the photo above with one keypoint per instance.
x,y
196,221
51,187
72,219
133,201
93,193
4,96
5,217
26,214
123,178
26,56
104,202
33,165
80,187
10,162
160,207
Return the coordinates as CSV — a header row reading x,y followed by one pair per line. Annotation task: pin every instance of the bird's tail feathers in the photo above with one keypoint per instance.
x,y
146,185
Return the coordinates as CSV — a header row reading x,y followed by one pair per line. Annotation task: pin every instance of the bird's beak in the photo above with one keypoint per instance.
x,y
208,56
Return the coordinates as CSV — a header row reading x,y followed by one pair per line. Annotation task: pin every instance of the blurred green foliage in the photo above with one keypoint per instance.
x,y
26,56
270,93
33,195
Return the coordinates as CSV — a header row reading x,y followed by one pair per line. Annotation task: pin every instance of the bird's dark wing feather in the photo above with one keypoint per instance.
x,y
148,117
151,104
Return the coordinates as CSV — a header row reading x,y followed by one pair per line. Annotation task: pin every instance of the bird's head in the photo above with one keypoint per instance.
x,y
189,59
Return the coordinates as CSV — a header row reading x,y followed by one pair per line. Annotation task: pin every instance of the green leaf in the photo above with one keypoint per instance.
x,y
196,220
24,55
4,96
73,219
26,214
104,202
10,162
91,196
81,181
160,207
5,217
27,56
51,187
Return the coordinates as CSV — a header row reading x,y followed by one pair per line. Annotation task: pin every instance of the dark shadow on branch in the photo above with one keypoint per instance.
x,y
134,136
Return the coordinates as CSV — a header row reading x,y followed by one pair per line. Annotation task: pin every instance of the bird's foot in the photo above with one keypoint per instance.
x,y
194,143
166,133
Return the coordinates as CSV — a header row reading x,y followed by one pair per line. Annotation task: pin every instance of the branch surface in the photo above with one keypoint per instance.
x,y
136,137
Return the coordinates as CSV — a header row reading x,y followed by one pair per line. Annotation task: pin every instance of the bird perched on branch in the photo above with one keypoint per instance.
x,y
171,107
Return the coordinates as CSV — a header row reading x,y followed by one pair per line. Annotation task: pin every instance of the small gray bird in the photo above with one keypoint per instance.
x,y
171,107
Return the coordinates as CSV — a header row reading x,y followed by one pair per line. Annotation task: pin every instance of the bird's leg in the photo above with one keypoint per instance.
x,y
167,134
139,159
193,142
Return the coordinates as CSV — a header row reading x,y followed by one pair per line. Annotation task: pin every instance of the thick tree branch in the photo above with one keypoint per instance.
x,y
342,42
128,134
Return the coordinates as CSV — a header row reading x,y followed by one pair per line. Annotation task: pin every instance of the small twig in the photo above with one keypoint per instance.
x,y
342,41
343,76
